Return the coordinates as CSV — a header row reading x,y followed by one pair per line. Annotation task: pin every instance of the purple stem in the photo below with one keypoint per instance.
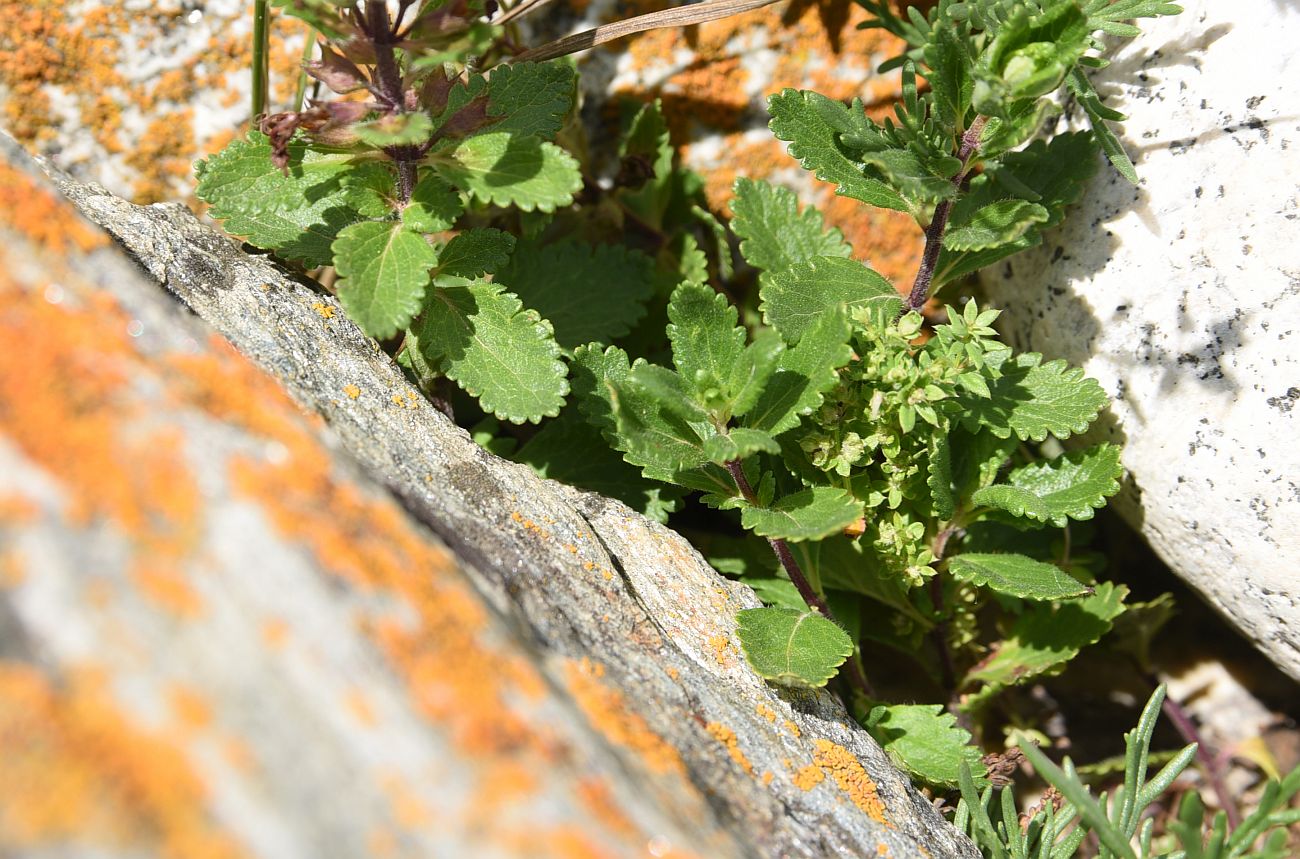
x,y
1204,755
856,676
970,142
389,79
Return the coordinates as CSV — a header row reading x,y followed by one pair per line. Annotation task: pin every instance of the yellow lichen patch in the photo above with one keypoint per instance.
x,y
608,712
190,709
882,849
727,737
323,310
78,771
167,588
766,712
767,778
792,727
807,778
721,644
847,772
41,216
352,391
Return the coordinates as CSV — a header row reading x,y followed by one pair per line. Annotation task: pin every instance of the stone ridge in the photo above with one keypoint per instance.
x,y
618,611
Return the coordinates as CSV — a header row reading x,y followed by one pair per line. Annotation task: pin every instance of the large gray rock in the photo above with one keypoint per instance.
x,y
221,634
1182,297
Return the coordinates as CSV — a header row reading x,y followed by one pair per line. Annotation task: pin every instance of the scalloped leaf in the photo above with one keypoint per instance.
x,y
925,740
482,338
474,253
792,647
1016,575
1044,639
994,225
707,343
738,443
434,205
395,129
810,123
809,514
1072,486
796,297
750,374
531,98
774,234
296,215
503,169
588,292
939,476
1033,399
384,270
802,375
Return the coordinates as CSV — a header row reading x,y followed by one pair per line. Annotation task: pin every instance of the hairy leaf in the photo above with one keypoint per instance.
x,y
939,476
1033,399
1015,575
669,390
994,225
505,169
707,343
810,123
476,252
1109,15
1071,486
482,338
1098,114
802,375
395,129
738,444
588,292
1043,639
751,373
924,740
569,449
434,205
795,298
949,59
298,215
531,98
806,515
774,234
383,269
792,647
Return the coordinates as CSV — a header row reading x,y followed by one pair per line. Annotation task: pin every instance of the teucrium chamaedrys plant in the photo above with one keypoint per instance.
x,y
907,486
393,185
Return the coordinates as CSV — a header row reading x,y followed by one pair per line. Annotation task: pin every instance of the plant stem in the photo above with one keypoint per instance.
x,y
307,50
389,79
856,676
261,58
970,142
1187,729
939,635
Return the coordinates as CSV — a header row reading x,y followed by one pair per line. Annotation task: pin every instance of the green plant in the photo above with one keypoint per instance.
x,y
908,487
1059,825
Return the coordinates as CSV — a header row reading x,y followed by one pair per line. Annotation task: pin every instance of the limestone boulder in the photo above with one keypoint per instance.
x,y
1182,297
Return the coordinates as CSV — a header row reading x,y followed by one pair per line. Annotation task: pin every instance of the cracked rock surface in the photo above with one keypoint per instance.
x,y
356,629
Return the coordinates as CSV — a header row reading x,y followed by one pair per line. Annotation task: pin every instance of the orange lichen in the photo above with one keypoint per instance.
x,y
720,644
352,391
595,795
809,777
766,712
767,778
323,310
847,771
79,771
882,849
792,727
608,712
41,216
191,709
727,737
167,588
360,707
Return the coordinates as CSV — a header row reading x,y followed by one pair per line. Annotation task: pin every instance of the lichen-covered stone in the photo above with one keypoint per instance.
x,y
1182,297
232,641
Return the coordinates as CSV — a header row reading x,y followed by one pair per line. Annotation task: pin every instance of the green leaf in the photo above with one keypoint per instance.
x,y
1088,98
1033,399
777,593
395,129
483,339
739,443
297,215
939,477
1109,15
588,292
647,144
1068,487
811,124
434,205
476,252
669,390
774,234
1043,639
792,647
505,169
383,269
911,176
1029,56
795,298
569,449
750,374
950,63
925,741
1016,575
531,98
806,515
996,224
707,343
977,458
802,375
1078,796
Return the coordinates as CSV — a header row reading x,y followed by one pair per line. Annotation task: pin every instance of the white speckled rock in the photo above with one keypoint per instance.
x,y
1183,298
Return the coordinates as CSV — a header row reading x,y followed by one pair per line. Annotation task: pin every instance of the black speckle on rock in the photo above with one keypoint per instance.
x,y
1121,308
1180,147
1199,191
1286,402
1255,101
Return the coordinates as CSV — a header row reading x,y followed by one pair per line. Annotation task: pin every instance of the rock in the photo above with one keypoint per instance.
x,y
227,628
1182,297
